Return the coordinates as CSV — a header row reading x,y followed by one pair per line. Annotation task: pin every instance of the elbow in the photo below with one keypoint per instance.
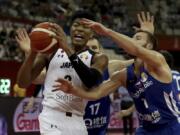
x,y
97,96
94,97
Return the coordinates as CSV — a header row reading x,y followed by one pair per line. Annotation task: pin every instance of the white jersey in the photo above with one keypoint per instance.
x,y
61,67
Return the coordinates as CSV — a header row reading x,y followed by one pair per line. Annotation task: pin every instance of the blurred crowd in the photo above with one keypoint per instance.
x,y
112,13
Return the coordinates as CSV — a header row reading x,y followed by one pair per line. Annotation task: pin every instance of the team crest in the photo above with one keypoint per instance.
x,y
143,77
84,56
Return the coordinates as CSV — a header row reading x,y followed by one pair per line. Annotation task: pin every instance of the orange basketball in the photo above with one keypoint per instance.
x,y
41,38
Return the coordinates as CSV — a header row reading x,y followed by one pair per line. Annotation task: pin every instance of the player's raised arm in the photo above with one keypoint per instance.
x,y
117,65
93,73
135,45
102,90
33,63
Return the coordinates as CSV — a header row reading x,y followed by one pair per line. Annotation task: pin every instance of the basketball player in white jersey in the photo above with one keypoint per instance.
x,y
62,113
93,44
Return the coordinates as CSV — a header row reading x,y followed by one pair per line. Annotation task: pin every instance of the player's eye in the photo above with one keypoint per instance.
x,y
138,37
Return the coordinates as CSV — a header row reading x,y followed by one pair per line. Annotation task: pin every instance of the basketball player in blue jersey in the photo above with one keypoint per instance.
x,y
63,113
148,80
97,113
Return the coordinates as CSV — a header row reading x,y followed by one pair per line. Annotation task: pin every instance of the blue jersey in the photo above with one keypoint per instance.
x,y
155,101
176,84
97,114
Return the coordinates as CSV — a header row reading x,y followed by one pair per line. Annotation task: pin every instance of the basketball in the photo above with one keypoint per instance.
x,y
41,38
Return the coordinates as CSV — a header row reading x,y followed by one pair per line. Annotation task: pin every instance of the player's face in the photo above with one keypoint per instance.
x,y
93,44
80,33
141,38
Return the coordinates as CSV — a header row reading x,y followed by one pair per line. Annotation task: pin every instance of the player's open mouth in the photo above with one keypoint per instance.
x,y
78,37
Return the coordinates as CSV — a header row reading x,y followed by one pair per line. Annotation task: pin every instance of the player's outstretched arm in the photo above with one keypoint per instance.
x,y
117,65
92,94
23,41
130,45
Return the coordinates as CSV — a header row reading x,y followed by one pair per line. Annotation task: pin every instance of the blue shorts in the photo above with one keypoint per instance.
x,y
169,129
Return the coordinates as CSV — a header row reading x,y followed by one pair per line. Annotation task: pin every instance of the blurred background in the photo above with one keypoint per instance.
x,y
119,15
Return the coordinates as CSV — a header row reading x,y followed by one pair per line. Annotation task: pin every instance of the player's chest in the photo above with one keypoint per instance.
x,y
142,85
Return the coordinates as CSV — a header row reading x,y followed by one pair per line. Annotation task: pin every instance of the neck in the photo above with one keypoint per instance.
x,y
137,64
78,48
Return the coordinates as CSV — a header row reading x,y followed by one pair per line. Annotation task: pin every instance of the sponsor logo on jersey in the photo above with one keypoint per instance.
x,y
68,98
144,77
152,117
142,85
96,122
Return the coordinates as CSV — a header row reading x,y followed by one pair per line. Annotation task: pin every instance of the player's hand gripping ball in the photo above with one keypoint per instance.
x,y
42,38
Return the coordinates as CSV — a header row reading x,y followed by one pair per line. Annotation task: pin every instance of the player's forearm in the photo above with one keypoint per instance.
x,y
86,94
24,76
98,92
93,76
123,42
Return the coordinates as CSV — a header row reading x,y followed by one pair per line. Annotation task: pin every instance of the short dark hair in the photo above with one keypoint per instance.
x,y
82,14
151,38
169,58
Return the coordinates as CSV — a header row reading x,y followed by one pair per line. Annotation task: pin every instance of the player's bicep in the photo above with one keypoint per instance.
x,y
150,57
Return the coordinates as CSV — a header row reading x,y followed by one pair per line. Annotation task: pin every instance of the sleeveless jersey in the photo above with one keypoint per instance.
x,y
155,101
97,113
61,67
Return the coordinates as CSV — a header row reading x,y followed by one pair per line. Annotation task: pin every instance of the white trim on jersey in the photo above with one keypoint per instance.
x,y
175,72
171,103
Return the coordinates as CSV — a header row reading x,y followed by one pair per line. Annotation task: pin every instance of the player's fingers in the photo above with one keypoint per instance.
x,y
148,17
143,16
18,34
85,21
17,39
152,19
56,27
56,86
25,33
22,34
139,18
55,89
